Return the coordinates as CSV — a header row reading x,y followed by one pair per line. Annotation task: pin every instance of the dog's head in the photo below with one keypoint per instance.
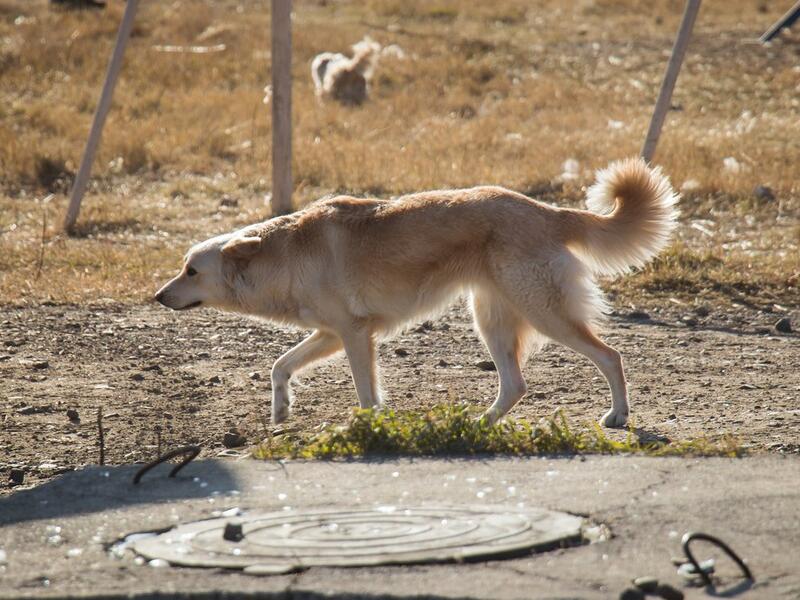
x,y
206,277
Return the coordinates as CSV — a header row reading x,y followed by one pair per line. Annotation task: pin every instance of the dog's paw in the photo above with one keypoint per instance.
x,y
615,419
489,418
280,412
279,416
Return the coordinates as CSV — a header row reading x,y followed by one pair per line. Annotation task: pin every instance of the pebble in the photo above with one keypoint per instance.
x,y
486,365
401,352
214,379
158,563
784,325
16,476
763,192
442,363
688,320
229,202
40,364
233,439
255,376
73,415
646,584
632,594
137,377
26,410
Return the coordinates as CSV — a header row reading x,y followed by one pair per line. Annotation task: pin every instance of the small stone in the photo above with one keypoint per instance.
x,y
233,532
255,376
632,594
158,563
442,363
137,377
688,320
402,352
702,311
229,202
668,592
646,584
233,439
40,364
763,192
784,325
26,410
214,379
486,365
73,415
539,394
16,476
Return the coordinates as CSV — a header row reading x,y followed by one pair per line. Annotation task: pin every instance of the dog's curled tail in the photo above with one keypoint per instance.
x,y
365,55
632,217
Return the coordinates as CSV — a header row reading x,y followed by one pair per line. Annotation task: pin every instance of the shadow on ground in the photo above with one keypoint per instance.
x,y
96,489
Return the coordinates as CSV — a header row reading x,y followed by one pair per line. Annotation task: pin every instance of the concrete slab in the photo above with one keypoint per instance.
x,y
647,503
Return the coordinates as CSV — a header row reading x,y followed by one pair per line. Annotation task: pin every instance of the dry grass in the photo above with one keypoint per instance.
x,y
499,92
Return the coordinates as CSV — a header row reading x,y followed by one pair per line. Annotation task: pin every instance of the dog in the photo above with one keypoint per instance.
x,y
357,270
345,79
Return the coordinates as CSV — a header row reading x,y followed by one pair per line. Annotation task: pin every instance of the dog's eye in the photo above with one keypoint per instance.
x,y
191,272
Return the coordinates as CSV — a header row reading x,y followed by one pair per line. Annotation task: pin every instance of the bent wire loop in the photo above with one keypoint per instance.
x,y
689,537
191,453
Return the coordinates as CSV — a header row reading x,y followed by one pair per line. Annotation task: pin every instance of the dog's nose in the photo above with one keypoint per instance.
x,y
160,297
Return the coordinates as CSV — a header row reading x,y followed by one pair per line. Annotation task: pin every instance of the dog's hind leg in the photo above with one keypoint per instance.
x,y
317,346
506,335
579,337
608,361
360,349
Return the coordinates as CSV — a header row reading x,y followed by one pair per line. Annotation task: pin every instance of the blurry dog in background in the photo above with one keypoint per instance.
x,y
357,270
345,79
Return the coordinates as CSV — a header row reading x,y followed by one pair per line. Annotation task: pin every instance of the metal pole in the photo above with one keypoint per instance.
x,y
670,77
114,66
281,107
786,20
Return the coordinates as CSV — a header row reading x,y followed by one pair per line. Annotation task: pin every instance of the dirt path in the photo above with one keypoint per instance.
x,y
195,375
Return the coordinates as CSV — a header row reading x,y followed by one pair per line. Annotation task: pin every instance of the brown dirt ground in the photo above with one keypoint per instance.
x,y
148,368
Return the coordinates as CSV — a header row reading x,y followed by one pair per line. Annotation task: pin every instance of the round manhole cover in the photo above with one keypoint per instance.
x,y
278,542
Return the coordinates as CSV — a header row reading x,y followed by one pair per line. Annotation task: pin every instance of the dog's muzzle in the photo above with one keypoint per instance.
x,y
161,298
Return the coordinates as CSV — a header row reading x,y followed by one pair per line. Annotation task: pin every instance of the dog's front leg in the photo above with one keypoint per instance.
x,y
360,349
317,346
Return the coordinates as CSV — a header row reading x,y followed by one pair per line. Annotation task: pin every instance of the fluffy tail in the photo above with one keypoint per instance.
x,y
633,216
365,55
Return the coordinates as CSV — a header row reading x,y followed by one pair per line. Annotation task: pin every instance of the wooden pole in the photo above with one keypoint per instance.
x,y
281,107
786,20
670,77
100,114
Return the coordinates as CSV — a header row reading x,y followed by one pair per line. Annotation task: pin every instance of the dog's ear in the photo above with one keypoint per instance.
x,y
242,247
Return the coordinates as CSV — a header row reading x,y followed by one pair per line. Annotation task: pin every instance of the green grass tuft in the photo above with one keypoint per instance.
x,y
455,429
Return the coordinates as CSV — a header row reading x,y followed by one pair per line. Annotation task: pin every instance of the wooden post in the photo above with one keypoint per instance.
x,y
100,114
670,77
786,20
281,107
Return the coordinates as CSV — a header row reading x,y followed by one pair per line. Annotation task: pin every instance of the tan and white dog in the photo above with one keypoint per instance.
x,y
357,270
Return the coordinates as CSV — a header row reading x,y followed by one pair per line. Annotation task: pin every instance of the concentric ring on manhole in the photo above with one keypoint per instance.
x,y
278,542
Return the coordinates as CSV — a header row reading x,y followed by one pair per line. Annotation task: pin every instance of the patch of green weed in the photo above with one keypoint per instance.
x,y
455,429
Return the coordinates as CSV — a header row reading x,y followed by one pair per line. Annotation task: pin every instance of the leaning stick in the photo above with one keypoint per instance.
x,y
100,114
670,77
